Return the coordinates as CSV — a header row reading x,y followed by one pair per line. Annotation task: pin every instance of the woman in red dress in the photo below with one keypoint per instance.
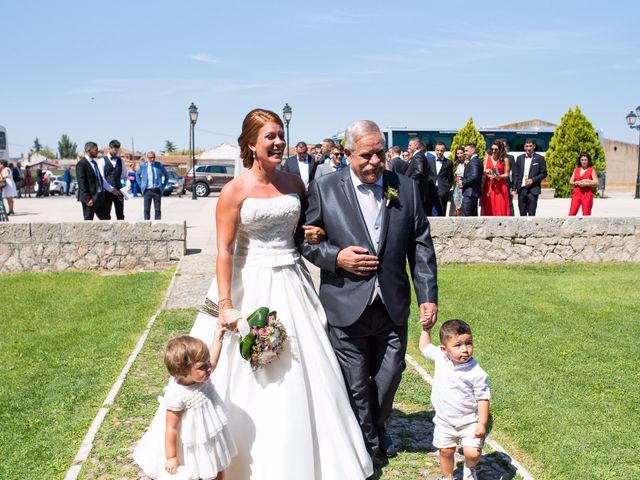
x,y
584,179
495,194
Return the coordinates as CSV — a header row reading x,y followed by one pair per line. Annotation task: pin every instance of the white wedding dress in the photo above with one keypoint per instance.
x,y
292,419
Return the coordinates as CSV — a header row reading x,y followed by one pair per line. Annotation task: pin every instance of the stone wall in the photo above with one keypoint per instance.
x,y
90,245
535,240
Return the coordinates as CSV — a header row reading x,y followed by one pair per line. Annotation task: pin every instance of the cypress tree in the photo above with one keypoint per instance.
x,y
574,135
468,134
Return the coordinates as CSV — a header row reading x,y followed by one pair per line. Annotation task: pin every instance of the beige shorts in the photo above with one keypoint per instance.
x,y
446,436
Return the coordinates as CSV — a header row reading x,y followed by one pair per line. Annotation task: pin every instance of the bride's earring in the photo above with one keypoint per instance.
x,y
254,154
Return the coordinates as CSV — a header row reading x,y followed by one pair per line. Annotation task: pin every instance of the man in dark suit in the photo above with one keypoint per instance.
x,y
396,162
471,182
374,224
439,181
301,164
531,169
91,186
114,171
417,168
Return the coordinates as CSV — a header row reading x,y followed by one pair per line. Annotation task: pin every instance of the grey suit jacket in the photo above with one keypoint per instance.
x,y
405,237
326,168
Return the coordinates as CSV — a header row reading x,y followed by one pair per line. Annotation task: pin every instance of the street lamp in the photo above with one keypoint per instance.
x,y
631,121
193,118
286,113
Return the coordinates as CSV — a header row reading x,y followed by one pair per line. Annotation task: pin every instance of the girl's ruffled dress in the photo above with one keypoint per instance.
x,y
205,444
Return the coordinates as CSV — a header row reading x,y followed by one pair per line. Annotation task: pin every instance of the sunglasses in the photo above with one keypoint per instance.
x,y
336,154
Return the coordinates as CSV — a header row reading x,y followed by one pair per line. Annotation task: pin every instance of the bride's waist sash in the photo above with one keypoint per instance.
x,y
267,257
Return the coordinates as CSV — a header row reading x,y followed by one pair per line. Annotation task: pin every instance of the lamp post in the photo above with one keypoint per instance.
x,y
193,118
286,114
631,121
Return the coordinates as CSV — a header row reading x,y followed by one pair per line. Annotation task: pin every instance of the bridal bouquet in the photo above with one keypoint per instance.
x,y
262,334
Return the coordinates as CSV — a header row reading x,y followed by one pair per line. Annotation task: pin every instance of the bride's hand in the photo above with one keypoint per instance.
x,y
313,234
229,318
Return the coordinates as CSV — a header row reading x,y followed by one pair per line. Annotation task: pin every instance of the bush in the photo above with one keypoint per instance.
x,y
574,135
468,134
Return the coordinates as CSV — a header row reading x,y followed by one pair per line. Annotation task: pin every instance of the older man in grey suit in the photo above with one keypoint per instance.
x,y
364,285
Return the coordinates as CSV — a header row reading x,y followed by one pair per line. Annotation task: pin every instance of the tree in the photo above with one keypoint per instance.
x,y
468,134
574,135
46,152
66,148
37,146
169,146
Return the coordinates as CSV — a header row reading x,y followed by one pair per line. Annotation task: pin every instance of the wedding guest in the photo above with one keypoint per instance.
x,y
512,167
114,172
417,167
460,397
3,211
40,181
301,164
152,178
439,181
471,182
458,167
396,162
531,170
28,181
495,193
9,191
326,148
133,184
91,185
195,434
16,171
584,179
335,165
66,177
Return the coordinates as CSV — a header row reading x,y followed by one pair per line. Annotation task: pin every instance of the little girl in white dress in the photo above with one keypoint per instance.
x,y
191,440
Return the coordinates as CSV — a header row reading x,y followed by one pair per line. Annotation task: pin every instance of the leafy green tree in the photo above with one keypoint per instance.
x,y
169,146
574,135
66,148
46,152
37,146
468,134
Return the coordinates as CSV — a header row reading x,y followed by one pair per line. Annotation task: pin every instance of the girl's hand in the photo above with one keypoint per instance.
x,y
313,234
172,465
220,331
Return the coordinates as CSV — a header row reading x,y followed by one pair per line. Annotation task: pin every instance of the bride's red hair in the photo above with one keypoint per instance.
x,y
253,122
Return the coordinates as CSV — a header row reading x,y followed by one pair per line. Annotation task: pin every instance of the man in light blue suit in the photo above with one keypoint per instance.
x,y
152,178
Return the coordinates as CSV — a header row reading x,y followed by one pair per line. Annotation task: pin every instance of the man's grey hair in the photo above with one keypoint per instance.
x,y
359,129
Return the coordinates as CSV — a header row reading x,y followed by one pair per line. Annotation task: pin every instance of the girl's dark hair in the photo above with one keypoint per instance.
x,y
502,153
584,154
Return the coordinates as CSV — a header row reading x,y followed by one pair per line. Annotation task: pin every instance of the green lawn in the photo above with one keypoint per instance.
x,y
560,344
64,337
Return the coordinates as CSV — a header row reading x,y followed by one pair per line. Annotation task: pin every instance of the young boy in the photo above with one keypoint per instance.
x,y
460,397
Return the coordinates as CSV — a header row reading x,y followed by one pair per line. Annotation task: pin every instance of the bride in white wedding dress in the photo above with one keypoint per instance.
x,y
292,419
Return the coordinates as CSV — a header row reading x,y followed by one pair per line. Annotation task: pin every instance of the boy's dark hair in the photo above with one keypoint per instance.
x,y
452,328
114,144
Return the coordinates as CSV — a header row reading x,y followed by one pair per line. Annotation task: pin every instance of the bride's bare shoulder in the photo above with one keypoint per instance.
x,y
235,191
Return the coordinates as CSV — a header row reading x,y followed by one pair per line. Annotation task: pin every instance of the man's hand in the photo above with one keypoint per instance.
x,y
528,182
357,260
481,430
117,192
428,315
90,203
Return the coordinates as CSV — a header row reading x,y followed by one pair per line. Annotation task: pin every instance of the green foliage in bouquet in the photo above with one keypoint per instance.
x,y
257,319
574,135
468,134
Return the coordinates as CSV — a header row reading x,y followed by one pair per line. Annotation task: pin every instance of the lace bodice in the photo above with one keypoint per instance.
x,y
267,225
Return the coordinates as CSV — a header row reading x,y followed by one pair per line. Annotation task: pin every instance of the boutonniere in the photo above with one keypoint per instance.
x,y
390,194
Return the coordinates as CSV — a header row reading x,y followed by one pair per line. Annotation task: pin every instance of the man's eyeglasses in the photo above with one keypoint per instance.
x,y
336,154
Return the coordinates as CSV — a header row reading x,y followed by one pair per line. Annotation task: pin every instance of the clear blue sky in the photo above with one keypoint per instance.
x,y
122,69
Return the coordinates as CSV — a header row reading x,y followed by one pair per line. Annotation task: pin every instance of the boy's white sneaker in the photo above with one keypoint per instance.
x,y
469,473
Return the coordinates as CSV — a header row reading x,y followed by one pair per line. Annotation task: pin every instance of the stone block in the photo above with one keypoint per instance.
x,y
15,232
46,232
158,251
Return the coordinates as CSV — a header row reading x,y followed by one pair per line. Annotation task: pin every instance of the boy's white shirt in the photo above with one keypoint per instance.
x,y
456,388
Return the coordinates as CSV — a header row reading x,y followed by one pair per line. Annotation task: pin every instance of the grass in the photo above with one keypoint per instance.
x,y
64,337
560,344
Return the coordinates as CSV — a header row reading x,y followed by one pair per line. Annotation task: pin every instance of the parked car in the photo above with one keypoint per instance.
x,y
57,186
209,178
175,184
